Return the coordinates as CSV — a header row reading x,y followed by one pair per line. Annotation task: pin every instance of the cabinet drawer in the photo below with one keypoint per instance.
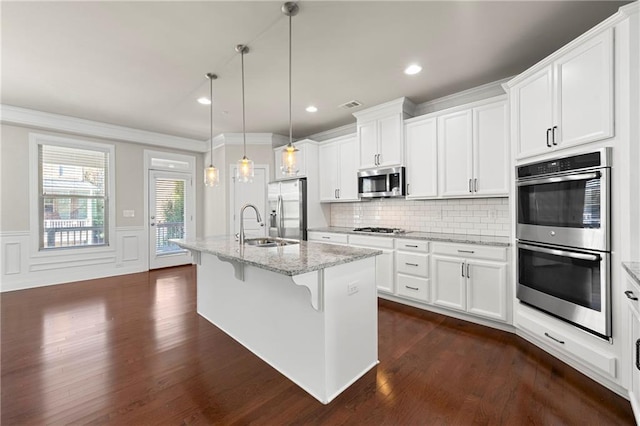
x,y
564,342
412,264
366,241
413,287
412,245
470,251
327,237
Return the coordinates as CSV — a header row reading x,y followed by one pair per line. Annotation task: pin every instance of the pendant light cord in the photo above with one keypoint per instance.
x,y
211,121
290,121
244,133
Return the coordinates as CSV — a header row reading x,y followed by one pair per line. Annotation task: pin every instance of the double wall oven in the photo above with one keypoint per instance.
x,y
563,210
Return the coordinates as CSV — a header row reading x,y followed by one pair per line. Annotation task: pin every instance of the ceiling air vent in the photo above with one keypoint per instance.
x,y
350,104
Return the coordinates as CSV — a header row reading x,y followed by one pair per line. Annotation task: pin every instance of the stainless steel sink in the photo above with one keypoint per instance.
x,y
269,242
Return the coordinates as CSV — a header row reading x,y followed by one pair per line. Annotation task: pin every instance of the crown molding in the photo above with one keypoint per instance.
x,y
62,123
347,129
405,105
489,90
271,139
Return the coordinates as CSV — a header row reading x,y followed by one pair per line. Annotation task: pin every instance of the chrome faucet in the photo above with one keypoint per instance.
x,y
258,218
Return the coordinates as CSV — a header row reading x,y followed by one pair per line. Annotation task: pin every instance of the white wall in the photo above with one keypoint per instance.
x,y
22,266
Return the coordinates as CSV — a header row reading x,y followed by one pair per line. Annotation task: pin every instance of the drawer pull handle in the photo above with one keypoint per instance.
x,y
553,338
411,264
466,251
327,238
638,354
416,289
630,295
410,245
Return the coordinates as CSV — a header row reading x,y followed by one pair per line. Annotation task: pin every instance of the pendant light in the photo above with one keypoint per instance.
x,y
289,152
244,170
211,173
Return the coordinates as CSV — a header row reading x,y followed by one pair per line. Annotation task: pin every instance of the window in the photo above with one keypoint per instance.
x,y
73,189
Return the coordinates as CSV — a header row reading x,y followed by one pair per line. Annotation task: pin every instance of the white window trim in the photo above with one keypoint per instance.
x,y
36,139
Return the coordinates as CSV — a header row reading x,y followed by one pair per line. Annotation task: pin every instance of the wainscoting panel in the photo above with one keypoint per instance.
x,y
22,269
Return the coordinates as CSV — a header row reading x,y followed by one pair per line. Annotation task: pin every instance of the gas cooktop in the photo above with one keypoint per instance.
x,y
381,230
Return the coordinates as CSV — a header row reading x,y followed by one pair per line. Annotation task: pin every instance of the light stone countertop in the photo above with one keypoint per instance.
x,y
429,236
633,269
294,259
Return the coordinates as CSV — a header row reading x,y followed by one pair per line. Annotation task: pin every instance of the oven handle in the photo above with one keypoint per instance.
x,y
572,254
554,179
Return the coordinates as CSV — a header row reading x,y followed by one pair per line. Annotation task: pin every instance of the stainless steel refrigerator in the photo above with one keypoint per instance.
x,y
287,204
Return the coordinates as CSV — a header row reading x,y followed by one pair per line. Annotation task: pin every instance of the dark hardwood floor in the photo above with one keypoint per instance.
x,y
131,350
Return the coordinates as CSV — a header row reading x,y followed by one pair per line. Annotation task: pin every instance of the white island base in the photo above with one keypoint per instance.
x,y
319,329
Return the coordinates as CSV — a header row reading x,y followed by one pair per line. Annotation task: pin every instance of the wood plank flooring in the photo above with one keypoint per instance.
x,y
131,350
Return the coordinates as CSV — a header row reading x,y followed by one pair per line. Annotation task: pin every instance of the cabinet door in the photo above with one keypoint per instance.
x,y
277,163
422,158
348,170
634,337
390,141
368,141
455,154
490,150
487,289
448,282
329,161
584,92
384,272
533,113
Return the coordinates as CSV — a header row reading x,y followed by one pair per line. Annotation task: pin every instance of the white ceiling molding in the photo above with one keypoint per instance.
x,y
479,93
62,123
271,139
347,129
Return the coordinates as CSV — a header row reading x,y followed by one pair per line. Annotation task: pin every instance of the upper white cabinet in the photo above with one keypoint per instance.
x,y
307,151
567,102
339,169
473,151
421,141
380,133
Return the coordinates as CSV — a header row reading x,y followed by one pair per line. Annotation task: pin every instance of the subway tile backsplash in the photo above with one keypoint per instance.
x,y
478,216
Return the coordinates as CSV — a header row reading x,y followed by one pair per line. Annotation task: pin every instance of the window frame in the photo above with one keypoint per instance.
x,y
35,213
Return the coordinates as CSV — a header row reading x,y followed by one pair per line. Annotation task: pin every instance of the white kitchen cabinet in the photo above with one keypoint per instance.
x,y
380,133
339,170
307,151
632,293
384,263
421,144
567,102
473,151
328,238
467,282
412,269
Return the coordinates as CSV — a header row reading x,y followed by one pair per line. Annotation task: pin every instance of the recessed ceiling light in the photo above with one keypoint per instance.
x,y
204,101
311,108
412,69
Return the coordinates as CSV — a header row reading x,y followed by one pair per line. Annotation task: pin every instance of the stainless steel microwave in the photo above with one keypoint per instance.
x,y
379,183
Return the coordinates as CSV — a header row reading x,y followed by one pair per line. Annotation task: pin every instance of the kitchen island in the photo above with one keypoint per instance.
x,y
309,310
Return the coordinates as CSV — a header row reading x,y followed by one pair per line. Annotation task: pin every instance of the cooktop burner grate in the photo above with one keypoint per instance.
x,y
380,230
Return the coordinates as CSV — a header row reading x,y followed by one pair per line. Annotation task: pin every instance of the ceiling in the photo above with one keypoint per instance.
x,y
143,64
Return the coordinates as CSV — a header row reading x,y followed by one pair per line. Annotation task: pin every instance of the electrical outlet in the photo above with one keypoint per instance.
x,y
352,289
493,214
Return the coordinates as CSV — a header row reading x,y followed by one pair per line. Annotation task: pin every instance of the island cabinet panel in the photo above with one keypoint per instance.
x,y
322,349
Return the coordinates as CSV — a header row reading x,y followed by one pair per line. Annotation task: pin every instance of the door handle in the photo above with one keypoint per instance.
x,y
407,189
338,192
561,341
548,131
470,188
553,135
335,193
468,276
462,269
153,224
638,354
475,184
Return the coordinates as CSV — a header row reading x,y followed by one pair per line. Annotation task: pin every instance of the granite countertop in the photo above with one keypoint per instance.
x,y
633,269
294,259
429,236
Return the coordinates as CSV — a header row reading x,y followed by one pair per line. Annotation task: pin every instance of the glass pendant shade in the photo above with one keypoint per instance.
x,y
211,176
244,170
289,165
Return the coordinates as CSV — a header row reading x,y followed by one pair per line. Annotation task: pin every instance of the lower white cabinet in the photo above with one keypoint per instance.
x,y
384,262
412,269
632,293
328,237
469,284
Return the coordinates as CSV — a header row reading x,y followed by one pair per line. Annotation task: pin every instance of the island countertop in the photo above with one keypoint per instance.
x,y
294,259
